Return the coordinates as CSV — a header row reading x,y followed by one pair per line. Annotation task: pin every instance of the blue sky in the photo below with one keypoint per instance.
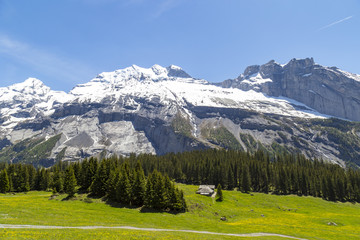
x,y
67,42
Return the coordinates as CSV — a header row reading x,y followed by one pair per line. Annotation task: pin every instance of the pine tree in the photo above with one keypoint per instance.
x,y
330,188
174,202
45,181
77,171
149,192
350,192
340,188
123,188
57,184
282,181
138,189
245,180
32,176
264,181
304,184
25,185
70,182
111,184
4,181
182,200
160,197
98,186
88,169
231,183
324,188
219,194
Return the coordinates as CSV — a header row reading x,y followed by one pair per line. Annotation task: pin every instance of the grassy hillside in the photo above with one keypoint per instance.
x,y
181,125
219,135
304,217
33,151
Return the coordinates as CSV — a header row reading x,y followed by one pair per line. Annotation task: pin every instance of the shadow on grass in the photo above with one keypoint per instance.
x,y
69,198
82,191
141,208
151,210
114,204
89,199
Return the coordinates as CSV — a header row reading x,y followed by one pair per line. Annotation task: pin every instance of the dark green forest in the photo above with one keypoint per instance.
x,y
111,178
147,180
285,174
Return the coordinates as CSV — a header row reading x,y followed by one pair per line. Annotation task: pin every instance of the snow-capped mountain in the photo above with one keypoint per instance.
x,y
26,101
158,110
328,90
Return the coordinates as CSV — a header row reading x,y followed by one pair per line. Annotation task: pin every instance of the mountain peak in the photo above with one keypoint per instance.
x,y
159,70
176,71
132,76
305,62
134,72
30,86
33,82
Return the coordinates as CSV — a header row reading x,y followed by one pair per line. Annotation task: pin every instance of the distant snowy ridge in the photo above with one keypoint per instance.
x,y
164,109
328,90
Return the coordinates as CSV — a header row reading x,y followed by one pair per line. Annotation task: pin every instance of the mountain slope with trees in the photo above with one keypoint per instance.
x,y
144,180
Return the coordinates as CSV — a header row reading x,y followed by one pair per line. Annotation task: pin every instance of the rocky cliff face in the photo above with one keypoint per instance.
x,y
159,110
328,90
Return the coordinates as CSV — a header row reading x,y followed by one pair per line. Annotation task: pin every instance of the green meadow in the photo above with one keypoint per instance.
x,y
302,217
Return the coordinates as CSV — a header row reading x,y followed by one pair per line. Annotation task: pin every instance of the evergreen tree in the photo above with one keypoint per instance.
x,y
245,180
32,176
174,202
160,195
4,181
282,185
182,200
99,185
138,189
57,184
123,188
324,188
149,192
111,184
45,180
70,182
231,183
219,194
264,181
25,184
304,184
77,171
330,188
89,169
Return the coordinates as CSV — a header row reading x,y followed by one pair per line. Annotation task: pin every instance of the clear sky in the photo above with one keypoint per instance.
x,y
67,42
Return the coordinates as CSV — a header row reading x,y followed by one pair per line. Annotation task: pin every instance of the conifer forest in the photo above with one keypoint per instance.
x,y
148,180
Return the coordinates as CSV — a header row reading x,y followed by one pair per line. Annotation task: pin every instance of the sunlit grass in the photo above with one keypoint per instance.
x,y
304,217
108,234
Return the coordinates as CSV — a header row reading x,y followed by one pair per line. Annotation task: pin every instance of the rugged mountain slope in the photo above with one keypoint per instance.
x,y
160,110
328,90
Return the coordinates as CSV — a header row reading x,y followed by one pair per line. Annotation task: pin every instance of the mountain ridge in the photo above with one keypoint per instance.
x,y
328,90
163,109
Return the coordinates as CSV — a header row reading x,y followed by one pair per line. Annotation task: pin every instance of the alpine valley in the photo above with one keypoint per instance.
x,y
298,107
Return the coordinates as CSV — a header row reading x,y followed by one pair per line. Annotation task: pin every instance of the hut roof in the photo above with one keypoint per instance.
x,y
210,186
205,189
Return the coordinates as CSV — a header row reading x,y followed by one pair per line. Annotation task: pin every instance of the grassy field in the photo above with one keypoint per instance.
x,y
304,217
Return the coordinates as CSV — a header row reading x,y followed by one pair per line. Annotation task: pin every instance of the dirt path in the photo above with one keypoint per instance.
x,y
149,229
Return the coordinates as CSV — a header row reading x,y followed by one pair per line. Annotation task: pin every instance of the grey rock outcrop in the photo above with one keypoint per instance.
x,y
326,89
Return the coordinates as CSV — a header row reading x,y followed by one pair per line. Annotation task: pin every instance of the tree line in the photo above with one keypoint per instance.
x,y
145,179
111,178
284,174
